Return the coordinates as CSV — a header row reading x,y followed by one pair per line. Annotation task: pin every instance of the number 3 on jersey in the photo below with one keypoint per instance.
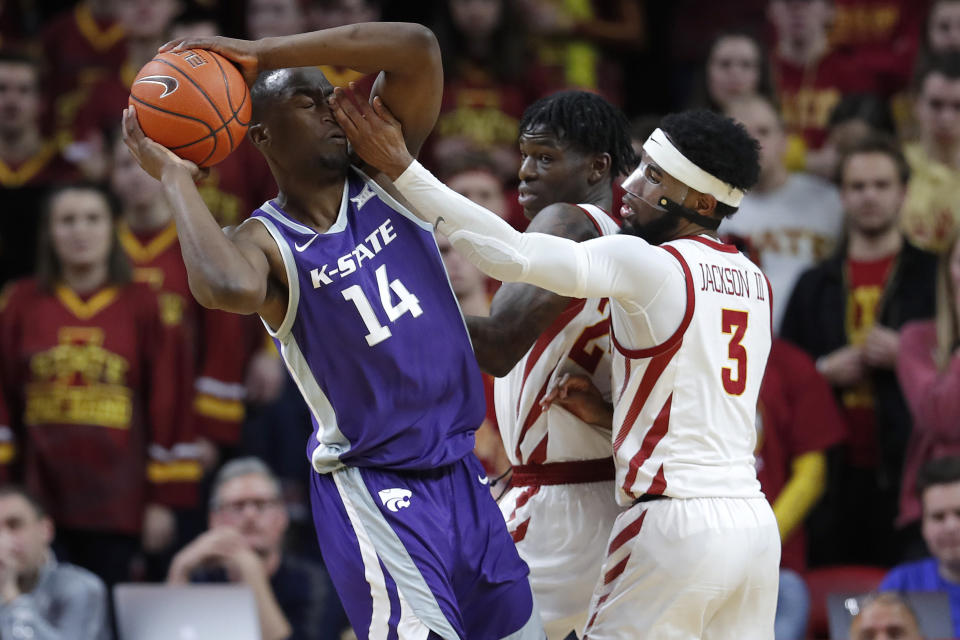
x,y
735,323
376,332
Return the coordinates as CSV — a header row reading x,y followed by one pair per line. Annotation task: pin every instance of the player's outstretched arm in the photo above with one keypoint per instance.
x,y
223,274
520,313
407,54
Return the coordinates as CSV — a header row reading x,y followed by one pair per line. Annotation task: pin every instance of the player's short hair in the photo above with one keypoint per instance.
x,y
587,123
946,64
717,144
876,143
269,86
17,491
49,270
945,470
236,468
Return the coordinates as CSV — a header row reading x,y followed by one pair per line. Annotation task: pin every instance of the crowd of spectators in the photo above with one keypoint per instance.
x,y
145,438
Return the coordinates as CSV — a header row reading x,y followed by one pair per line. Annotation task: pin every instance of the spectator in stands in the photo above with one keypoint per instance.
x,y
30,161
932,209
810,75
270,18
942,33
792,220
245,544
97,382
797,422
737,67
40,598
928,368
846,313
938,485
489,81
337,13
885,617
855,118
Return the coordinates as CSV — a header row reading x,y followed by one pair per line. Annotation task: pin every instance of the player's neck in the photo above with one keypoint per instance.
x,y
600,195
150,217
86,278
803,51
316,207
771,180
475,303
863,247
19,145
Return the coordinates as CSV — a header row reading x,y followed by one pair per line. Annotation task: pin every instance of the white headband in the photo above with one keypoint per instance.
x,y
662,151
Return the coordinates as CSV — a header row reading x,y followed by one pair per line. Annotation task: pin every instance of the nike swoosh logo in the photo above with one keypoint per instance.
x,y
168,83
301,249
483,479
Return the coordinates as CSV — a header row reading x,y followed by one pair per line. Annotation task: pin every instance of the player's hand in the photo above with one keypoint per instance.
x,y
881,347
153,156
375,134
243,53
578,395
844,367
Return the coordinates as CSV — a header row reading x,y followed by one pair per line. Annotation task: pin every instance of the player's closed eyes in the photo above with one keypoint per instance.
x,y
939,105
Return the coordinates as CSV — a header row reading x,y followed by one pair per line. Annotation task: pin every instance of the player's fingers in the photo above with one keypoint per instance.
x,y
167,46
382,111
347,107
344,120
195,43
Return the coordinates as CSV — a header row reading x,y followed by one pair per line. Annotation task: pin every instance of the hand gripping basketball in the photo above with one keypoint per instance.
x,y
243,53
154,158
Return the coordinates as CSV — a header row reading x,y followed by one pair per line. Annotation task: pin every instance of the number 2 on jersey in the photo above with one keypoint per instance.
x,y
735,323
376,332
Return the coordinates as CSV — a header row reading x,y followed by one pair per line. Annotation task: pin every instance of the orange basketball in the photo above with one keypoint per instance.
x,y
193,102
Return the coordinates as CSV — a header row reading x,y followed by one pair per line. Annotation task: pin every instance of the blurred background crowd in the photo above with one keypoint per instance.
x,y
158,440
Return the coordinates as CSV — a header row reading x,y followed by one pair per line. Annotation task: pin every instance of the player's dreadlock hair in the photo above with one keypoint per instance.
x,y
587,123
718,145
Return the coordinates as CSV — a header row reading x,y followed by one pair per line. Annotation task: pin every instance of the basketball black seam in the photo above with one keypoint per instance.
x,y
226,88
234,112
213,133
180,115
196,84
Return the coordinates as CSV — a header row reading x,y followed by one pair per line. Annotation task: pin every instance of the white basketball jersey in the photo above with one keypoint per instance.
x,y
684,410
577,342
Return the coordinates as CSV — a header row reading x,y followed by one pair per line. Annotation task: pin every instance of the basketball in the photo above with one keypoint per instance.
x,y
193,102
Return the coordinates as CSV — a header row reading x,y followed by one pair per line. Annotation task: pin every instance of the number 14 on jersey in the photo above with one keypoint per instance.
x,y
376,332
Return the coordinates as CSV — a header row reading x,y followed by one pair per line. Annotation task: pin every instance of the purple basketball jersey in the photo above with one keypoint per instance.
x,y
374,338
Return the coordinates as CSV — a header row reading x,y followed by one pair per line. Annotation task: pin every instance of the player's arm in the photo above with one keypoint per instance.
x,y
521,312
229,273
406,54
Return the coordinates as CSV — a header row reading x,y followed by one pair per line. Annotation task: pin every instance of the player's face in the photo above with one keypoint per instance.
x,y
764,126
941,522
24,537
938,109
733,69
81,228
943,31
130,183
142,19
883,621
871,192
269,18
481,187
250,505
19,96
800,19
643,189
550,171
303,134
465,278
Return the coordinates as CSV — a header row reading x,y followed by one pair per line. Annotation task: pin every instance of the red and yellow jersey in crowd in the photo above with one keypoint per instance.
x,y
222,342
796,414
97,389
47,166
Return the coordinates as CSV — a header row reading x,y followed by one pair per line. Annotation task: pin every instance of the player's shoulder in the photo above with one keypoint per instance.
x,y
565,220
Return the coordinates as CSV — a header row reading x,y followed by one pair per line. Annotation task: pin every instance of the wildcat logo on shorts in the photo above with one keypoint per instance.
x,y
395,499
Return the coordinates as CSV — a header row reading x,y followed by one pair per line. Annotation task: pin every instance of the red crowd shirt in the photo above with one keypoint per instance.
x,y
98,392
796,414
224,342
865,285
